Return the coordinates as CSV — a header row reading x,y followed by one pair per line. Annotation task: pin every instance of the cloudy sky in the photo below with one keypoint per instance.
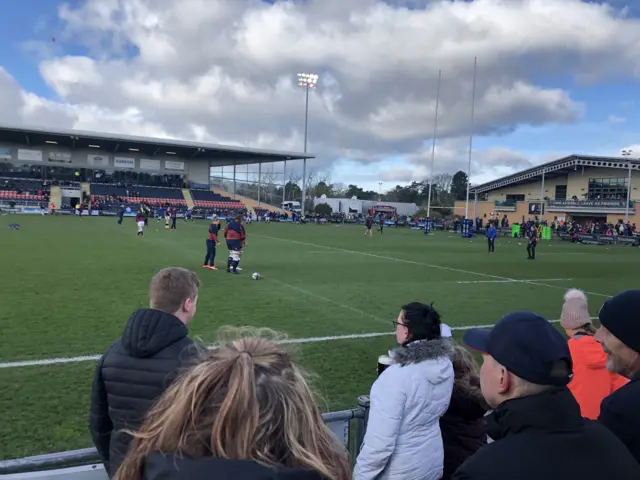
x,y
553,77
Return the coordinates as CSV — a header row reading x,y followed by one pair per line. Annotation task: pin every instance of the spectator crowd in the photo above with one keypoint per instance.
x,y
541,406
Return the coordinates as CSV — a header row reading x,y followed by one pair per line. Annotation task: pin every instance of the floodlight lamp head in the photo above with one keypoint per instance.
x,y
309,80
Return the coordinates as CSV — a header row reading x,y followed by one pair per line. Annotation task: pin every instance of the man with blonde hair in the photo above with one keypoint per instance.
x,y
138,367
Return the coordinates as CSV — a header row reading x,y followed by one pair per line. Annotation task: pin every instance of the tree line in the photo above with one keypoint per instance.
x,y
445,190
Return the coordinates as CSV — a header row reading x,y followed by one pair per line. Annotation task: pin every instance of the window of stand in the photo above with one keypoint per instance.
x,y
607,188
47,173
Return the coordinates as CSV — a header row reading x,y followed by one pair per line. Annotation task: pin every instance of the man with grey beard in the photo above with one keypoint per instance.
x,y
620,339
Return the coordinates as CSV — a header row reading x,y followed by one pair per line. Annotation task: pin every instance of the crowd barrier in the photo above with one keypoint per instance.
x,y
598,239
85,464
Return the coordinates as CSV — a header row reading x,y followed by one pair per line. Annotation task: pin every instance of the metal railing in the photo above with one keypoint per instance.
x,y
85,464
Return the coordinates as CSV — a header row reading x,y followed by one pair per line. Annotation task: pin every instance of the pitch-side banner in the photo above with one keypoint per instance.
x,y
147,164
98,160
30,155
173,165
124,162
59,157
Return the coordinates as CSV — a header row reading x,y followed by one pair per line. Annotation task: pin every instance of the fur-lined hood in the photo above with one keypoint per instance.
x,y
421,350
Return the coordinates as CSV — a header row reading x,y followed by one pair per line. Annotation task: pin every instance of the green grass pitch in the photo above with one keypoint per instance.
x,y
68,286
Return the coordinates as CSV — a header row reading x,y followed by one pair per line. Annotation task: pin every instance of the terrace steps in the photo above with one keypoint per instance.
x,y
187,196
250,203
55,196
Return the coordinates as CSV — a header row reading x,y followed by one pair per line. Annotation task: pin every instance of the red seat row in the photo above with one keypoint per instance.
x,y
216,204
12,194
149,200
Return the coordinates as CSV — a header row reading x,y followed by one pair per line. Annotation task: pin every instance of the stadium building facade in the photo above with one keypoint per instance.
x,y
577,187
70,155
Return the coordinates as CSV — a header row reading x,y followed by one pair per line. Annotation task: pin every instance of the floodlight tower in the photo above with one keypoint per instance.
x,y
308,81
627,153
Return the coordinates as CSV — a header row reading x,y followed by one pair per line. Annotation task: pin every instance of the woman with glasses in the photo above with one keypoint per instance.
x,y
403,438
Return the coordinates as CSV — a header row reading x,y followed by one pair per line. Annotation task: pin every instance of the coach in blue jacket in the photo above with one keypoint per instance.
x,y
491,238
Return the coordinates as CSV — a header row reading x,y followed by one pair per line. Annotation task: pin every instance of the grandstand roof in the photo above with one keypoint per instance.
x,y
557,168
145,145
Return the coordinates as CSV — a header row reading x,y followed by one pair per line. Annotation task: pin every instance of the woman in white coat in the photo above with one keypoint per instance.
x,y
403,440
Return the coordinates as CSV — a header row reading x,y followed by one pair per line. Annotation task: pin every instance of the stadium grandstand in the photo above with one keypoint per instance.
x,y
580,188
59,169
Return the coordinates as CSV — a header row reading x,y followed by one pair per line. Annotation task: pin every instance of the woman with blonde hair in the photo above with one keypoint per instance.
x,y
245,411
591,381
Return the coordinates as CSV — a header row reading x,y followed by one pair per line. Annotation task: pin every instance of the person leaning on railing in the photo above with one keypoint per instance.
x,y
403,439
244,411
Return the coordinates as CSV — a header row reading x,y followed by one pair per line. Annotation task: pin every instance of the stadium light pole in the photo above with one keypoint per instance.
x,y
473,111
627,153
308,81
379,191
433,144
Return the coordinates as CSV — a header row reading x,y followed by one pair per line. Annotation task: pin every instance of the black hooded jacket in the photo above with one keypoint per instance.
x,y
131,375
544,437
620,413
159,466
463,427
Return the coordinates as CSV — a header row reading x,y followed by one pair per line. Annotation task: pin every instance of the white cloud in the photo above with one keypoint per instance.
x,y
400,174
634,149
224,72
615,119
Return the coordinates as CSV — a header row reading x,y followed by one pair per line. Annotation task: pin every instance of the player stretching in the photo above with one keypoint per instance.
x,y
140,222
212,241
369,225
235,235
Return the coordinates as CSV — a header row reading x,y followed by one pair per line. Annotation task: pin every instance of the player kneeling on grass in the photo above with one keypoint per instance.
x,y
235,235
212,241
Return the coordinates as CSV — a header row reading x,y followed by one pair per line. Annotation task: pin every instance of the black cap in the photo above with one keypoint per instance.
x,y
525,344
621,316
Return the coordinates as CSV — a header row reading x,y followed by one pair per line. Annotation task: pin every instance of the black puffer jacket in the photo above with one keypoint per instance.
x,y
545,437
462,426
167,467
620,413
131,375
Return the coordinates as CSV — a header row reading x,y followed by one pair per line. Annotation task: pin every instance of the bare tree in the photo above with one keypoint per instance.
x,y
340,189
443,182
312,181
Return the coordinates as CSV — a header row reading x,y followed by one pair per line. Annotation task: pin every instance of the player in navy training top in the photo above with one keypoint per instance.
x,y
533,241
491,237
174,217
212,241
235,235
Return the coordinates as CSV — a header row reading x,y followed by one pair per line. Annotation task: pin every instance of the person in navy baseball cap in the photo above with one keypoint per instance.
x,y
536,423
526,345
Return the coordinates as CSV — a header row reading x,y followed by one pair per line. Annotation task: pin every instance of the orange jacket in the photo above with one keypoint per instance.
x,y
591,382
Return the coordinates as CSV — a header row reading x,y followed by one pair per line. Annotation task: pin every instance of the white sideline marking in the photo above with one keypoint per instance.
x,y
412,262
328,300
518,281
350,336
